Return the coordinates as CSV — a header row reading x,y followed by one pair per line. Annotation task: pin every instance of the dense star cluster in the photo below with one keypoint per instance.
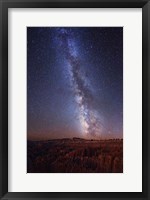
x,y
75,82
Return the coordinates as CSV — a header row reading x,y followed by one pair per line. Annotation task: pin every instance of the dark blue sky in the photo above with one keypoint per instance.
x,y
74,82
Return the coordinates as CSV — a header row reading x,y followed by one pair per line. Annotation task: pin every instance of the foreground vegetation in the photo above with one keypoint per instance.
x,y
75,156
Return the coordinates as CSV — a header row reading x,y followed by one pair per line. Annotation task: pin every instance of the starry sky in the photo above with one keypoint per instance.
x,y
74,82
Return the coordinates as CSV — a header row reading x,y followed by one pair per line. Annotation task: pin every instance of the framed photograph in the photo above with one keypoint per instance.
x,y
74,99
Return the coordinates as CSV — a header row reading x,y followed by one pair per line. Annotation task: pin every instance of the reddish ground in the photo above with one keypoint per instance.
x,y
75,156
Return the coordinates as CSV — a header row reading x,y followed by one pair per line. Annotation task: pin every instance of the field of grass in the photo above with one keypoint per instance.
x,y
75,156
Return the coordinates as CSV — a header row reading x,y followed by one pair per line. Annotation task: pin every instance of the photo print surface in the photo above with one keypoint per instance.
x,y
74,99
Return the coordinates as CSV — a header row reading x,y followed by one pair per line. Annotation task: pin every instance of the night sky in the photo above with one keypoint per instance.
x,y
74,82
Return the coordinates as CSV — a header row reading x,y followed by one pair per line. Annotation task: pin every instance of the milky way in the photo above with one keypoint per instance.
x,y
89,121
75,82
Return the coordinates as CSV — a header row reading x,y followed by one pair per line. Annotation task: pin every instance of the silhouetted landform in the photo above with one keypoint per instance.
x,y
75,156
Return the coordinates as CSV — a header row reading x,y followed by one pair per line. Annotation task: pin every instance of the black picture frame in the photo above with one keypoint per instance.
x,y
4,6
